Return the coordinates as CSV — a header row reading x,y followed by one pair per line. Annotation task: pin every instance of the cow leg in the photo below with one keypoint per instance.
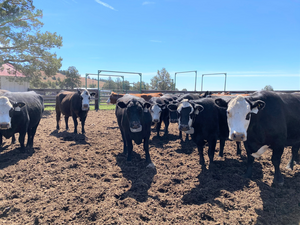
x,y
66,121
158,126
13,140
82,124
186,137
200,145
250,158
180,134
129,148
222,144
294,158
238,148
167,122
146,149
1,143
211,150
276,158
31,135
22,140
124,142
57,119
75,123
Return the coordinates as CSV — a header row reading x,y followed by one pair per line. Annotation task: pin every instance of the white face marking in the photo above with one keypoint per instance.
x,y
155,113
185,104
136,130
5,106
85,100
260,151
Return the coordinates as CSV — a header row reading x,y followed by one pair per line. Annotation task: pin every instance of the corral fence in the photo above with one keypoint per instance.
x,y
102,96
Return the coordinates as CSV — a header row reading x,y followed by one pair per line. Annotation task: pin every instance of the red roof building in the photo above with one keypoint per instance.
x,y
7,71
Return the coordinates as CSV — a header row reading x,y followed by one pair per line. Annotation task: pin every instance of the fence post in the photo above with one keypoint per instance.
x,y
97,99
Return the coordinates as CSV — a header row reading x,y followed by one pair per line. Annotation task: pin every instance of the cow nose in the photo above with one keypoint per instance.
x,y
135,125
238,136
85,105
4,126
155,120
173,120
184,127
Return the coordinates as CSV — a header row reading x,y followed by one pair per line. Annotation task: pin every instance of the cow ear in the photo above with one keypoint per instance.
x,y
122,105
257,105
18,105
146,106
198,109
78,91
92,94
221,102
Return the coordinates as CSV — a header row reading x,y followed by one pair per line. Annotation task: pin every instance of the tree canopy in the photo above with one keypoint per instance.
x,y
22,44
72,78
162,81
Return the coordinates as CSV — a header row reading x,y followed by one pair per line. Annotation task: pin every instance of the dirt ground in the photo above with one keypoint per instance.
x,y
85,179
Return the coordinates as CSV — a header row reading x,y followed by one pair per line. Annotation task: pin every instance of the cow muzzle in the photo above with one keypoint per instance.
x,y
173,120
4,126
85,107
136,127
183,127
236,136
155,121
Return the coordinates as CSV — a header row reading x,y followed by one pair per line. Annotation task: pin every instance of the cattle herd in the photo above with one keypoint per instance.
x,y
263,120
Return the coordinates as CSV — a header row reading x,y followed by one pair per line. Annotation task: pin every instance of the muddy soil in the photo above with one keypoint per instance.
x,y
85,179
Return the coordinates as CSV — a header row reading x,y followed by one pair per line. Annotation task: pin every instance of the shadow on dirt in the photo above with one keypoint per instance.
x,y
140,176
46,113
287,199
80,139
12,157
158,142
223,178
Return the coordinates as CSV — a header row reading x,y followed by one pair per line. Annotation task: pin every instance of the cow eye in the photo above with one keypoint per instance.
x,y
248,116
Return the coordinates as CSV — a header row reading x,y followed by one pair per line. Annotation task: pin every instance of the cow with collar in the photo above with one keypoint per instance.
x,y
20,112
75,104
265,120
134,120
206,123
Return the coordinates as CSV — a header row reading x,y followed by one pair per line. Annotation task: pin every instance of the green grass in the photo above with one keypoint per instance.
x,y
103,106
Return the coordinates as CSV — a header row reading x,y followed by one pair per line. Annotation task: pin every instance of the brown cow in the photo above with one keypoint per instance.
x,y
75,104
115,96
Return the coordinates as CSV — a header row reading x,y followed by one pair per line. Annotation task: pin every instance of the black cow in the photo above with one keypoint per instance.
x,y
265,120
188,96
75,104
206,123
134,120
160,113
21,113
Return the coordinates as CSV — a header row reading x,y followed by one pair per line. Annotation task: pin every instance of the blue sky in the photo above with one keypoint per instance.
x,y
255,42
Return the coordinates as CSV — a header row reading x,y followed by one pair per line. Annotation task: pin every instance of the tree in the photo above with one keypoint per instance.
x,y
268,88
184,89
92,86
72,78
21,42
162,81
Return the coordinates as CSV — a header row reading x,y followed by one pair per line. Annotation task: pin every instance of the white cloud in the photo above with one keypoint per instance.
x,y
148,3
105,4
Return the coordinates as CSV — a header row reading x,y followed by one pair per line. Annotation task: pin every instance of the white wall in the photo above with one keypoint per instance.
x,y
13,86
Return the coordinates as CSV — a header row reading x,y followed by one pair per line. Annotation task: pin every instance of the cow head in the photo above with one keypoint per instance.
x,y
7,110
155,111
239,110
186,112
85,99
173,114
135,112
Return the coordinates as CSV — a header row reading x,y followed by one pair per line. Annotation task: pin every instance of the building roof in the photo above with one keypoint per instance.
x,y
9,71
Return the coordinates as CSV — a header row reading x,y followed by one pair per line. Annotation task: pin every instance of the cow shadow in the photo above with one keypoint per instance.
x,y
139,174
12,157
79,139
281,204
222,179
161,140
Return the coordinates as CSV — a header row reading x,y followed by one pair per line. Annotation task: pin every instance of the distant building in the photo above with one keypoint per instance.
x,y
7,71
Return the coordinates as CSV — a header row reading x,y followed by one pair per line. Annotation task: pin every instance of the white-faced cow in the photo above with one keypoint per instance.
x,y
20,112
134,120
265,120
206,123
160,113
75,104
